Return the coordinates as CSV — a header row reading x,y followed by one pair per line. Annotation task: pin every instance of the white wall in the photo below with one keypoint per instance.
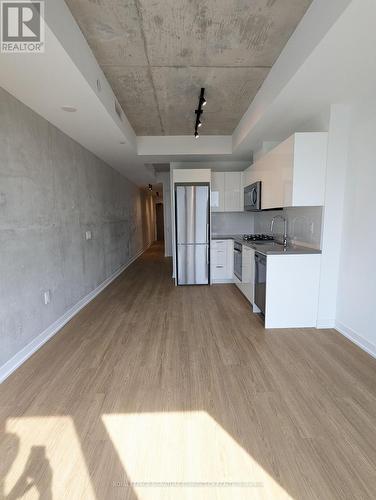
x,y
333,213
356,305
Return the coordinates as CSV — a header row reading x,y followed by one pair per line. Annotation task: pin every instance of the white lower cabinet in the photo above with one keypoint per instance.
x,y
292,291
222,261
247,285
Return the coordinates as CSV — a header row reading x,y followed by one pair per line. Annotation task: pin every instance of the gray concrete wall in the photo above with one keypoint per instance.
x,y
52,191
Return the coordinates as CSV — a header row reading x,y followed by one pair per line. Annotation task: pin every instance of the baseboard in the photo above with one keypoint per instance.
x,y
323,323
356,339
18,359
222,281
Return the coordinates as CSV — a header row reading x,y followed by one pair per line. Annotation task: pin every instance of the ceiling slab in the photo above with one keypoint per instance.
x,y
218,32
228,92
134,88
112,29
157,56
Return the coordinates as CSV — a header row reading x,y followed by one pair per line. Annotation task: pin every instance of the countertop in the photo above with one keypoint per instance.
x,y
268,248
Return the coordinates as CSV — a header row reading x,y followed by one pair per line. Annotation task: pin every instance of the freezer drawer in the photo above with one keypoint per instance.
x,y
193,265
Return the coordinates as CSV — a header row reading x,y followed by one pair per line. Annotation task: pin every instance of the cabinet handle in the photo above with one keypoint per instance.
x,y
219,267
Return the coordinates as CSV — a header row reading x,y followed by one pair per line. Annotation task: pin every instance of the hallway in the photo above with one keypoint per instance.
x,y
183,387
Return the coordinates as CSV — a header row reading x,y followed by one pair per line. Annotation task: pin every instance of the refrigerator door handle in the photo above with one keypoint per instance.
x,y
207,233
207,254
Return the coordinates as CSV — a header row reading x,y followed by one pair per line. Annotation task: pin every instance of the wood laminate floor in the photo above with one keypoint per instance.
x,y
155,392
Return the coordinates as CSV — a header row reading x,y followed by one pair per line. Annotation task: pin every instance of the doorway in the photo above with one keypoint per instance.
x,y
159,221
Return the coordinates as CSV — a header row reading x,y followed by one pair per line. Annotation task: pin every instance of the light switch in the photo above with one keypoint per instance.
x,y
88,235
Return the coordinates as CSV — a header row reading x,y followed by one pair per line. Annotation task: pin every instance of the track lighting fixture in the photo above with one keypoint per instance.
x,y
199,111
150,187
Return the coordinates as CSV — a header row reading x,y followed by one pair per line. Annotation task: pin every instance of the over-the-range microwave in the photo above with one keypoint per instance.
x,y
252,197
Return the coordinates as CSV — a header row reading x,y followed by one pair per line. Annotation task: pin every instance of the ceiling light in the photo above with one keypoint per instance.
x,y
150,187
196,135
199,123
204,102
69,109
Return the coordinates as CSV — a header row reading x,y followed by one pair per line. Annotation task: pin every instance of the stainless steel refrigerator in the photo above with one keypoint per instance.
x,y
192,234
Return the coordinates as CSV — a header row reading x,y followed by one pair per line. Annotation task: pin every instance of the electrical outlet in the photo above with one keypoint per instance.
x,y
88,235
47,297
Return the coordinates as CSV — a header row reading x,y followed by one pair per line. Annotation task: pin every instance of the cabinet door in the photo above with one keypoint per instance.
x,y
229,259
222,259
277,169
233,192
219,260
250,176
217,200
310,153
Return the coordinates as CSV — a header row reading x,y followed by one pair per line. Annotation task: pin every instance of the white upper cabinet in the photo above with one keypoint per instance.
x,y
227,192
234,192
293,173
217,199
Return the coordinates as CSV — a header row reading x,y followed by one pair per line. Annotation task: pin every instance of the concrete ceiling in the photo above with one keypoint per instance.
x,y
157,56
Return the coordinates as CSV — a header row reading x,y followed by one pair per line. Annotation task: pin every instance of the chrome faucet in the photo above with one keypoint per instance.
x,y
285,227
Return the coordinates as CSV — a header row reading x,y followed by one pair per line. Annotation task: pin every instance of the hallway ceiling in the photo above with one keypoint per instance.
x,y
157,56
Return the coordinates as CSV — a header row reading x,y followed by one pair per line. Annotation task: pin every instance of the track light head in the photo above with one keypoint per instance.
x,y
199,111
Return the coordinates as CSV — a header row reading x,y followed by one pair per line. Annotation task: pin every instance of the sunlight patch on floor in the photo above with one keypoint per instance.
x,y
41,457
189,448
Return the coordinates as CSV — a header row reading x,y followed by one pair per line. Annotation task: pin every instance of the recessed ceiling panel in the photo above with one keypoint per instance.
x,y
158,54
134,88
228,92
218,32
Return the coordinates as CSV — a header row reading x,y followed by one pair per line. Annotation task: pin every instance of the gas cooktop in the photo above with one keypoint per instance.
x,y
257,237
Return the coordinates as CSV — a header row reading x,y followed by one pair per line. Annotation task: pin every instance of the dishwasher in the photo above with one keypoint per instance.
x,y
260,281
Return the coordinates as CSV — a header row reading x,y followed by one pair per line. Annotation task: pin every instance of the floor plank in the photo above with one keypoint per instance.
x,y
184,388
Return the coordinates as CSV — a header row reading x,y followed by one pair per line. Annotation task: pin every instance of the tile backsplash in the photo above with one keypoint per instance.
x,y
304,224
232,222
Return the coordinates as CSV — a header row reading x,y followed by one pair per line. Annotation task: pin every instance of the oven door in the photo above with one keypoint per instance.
x,y
238,261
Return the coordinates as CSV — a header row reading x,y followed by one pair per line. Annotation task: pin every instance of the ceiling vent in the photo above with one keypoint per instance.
x,y
118,110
